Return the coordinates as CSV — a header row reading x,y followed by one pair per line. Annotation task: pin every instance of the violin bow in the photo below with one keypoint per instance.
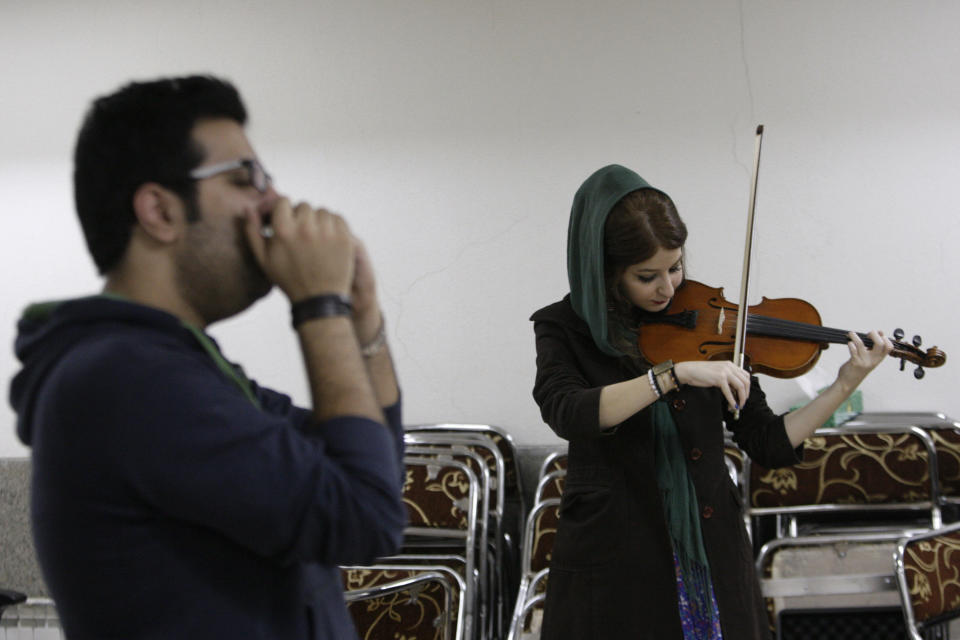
x,y
741,331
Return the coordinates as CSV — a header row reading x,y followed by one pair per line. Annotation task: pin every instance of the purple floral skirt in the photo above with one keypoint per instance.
x,y
697,624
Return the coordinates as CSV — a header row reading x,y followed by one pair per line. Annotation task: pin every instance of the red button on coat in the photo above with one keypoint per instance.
x,y
679,404
695,454
707,512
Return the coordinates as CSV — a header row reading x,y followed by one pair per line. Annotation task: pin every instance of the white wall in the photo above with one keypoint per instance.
x,y
454,134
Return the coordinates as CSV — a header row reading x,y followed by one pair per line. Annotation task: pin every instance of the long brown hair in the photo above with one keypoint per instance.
x,y
640,224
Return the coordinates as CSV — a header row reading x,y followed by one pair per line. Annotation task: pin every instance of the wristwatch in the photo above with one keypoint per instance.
x,y
666,367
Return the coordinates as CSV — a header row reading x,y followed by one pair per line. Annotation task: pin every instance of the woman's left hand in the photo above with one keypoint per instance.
x,y
863,360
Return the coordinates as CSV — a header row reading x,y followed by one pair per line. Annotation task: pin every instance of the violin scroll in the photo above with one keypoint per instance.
x,y
933,357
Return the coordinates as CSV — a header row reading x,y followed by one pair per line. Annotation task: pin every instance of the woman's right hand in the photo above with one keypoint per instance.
x,y
732,381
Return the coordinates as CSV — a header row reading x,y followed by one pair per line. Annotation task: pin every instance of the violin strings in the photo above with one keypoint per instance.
x,y
792,329
780,328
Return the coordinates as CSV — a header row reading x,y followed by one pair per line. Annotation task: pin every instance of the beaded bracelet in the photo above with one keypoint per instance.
x,y
376,345
654,384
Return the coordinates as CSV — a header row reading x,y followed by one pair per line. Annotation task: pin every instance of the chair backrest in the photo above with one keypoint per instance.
x,y
537,549
499,436
556,461
735,460
539,535
947,443
492,470
550,486
927,567
443,498
528,618
405,601
877,468
945,432
501,532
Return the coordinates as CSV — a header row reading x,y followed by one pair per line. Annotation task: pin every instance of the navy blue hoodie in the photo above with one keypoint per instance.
x,y
170,502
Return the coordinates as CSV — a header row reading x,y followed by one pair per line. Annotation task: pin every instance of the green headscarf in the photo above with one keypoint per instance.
x,y
592,203
591,206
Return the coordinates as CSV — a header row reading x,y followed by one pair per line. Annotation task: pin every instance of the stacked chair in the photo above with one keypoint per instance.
x,y
928,579
537,546
407,600
839,516
463,498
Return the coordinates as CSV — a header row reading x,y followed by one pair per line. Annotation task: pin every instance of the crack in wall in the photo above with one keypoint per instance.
x,y
398,301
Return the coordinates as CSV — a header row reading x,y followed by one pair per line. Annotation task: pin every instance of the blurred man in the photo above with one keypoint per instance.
x,y
172,496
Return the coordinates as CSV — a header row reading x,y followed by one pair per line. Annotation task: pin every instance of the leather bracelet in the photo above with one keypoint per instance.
x,y
326,305
666,367
673,376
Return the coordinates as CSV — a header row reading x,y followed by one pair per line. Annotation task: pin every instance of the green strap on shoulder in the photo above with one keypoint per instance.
x,y
233,373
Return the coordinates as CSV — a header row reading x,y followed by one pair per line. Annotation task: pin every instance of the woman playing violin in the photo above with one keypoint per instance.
x,y
651,541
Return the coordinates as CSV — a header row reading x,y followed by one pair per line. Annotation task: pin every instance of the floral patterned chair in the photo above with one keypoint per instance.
x,y
865,470
945,432
405,601
539,533
928,578
858,490
482,591
443,498
500,552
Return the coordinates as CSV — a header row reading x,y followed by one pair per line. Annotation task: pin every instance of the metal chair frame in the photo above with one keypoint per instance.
x,y
544,482
478,430
914,628
790,512
480,436
467,535
516,624
529,577
549,460
427,573
479,594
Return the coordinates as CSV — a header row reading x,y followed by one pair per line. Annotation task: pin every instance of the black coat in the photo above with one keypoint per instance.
x,y
612,573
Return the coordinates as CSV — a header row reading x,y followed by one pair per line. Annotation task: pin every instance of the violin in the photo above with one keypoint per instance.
x,y
786,335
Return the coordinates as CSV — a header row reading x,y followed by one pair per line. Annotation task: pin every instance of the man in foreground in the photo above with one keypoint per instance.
x,y
172,496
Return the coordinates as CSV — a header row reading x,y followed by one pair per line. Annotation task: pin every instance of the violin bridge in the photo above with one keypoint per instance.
x,y
720,319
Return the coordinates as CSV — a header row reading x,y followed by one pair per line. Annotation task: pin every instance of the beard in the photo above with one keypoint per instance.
x,y
216,272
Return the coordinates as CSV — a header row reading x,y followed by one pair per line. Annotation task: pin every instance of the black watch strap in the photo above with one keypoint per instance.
x,y
326,305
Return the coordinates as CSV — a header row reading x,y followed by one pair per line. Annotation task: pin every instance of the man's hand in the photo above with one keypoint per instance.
x,y
366,307
310,252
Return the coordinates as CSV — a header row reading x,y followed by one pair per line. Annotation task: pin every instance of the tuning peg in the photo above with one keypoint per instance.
x,y
903,363
898,334
917,341
919,373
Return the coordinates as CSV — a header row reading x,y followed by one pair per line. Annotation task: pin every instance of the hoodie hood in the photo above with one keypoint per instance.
x,y
46,331
591,205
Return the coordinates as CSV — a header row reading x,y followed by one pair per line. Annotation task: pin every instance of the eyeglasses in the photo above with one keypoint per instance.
x,y
259,178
